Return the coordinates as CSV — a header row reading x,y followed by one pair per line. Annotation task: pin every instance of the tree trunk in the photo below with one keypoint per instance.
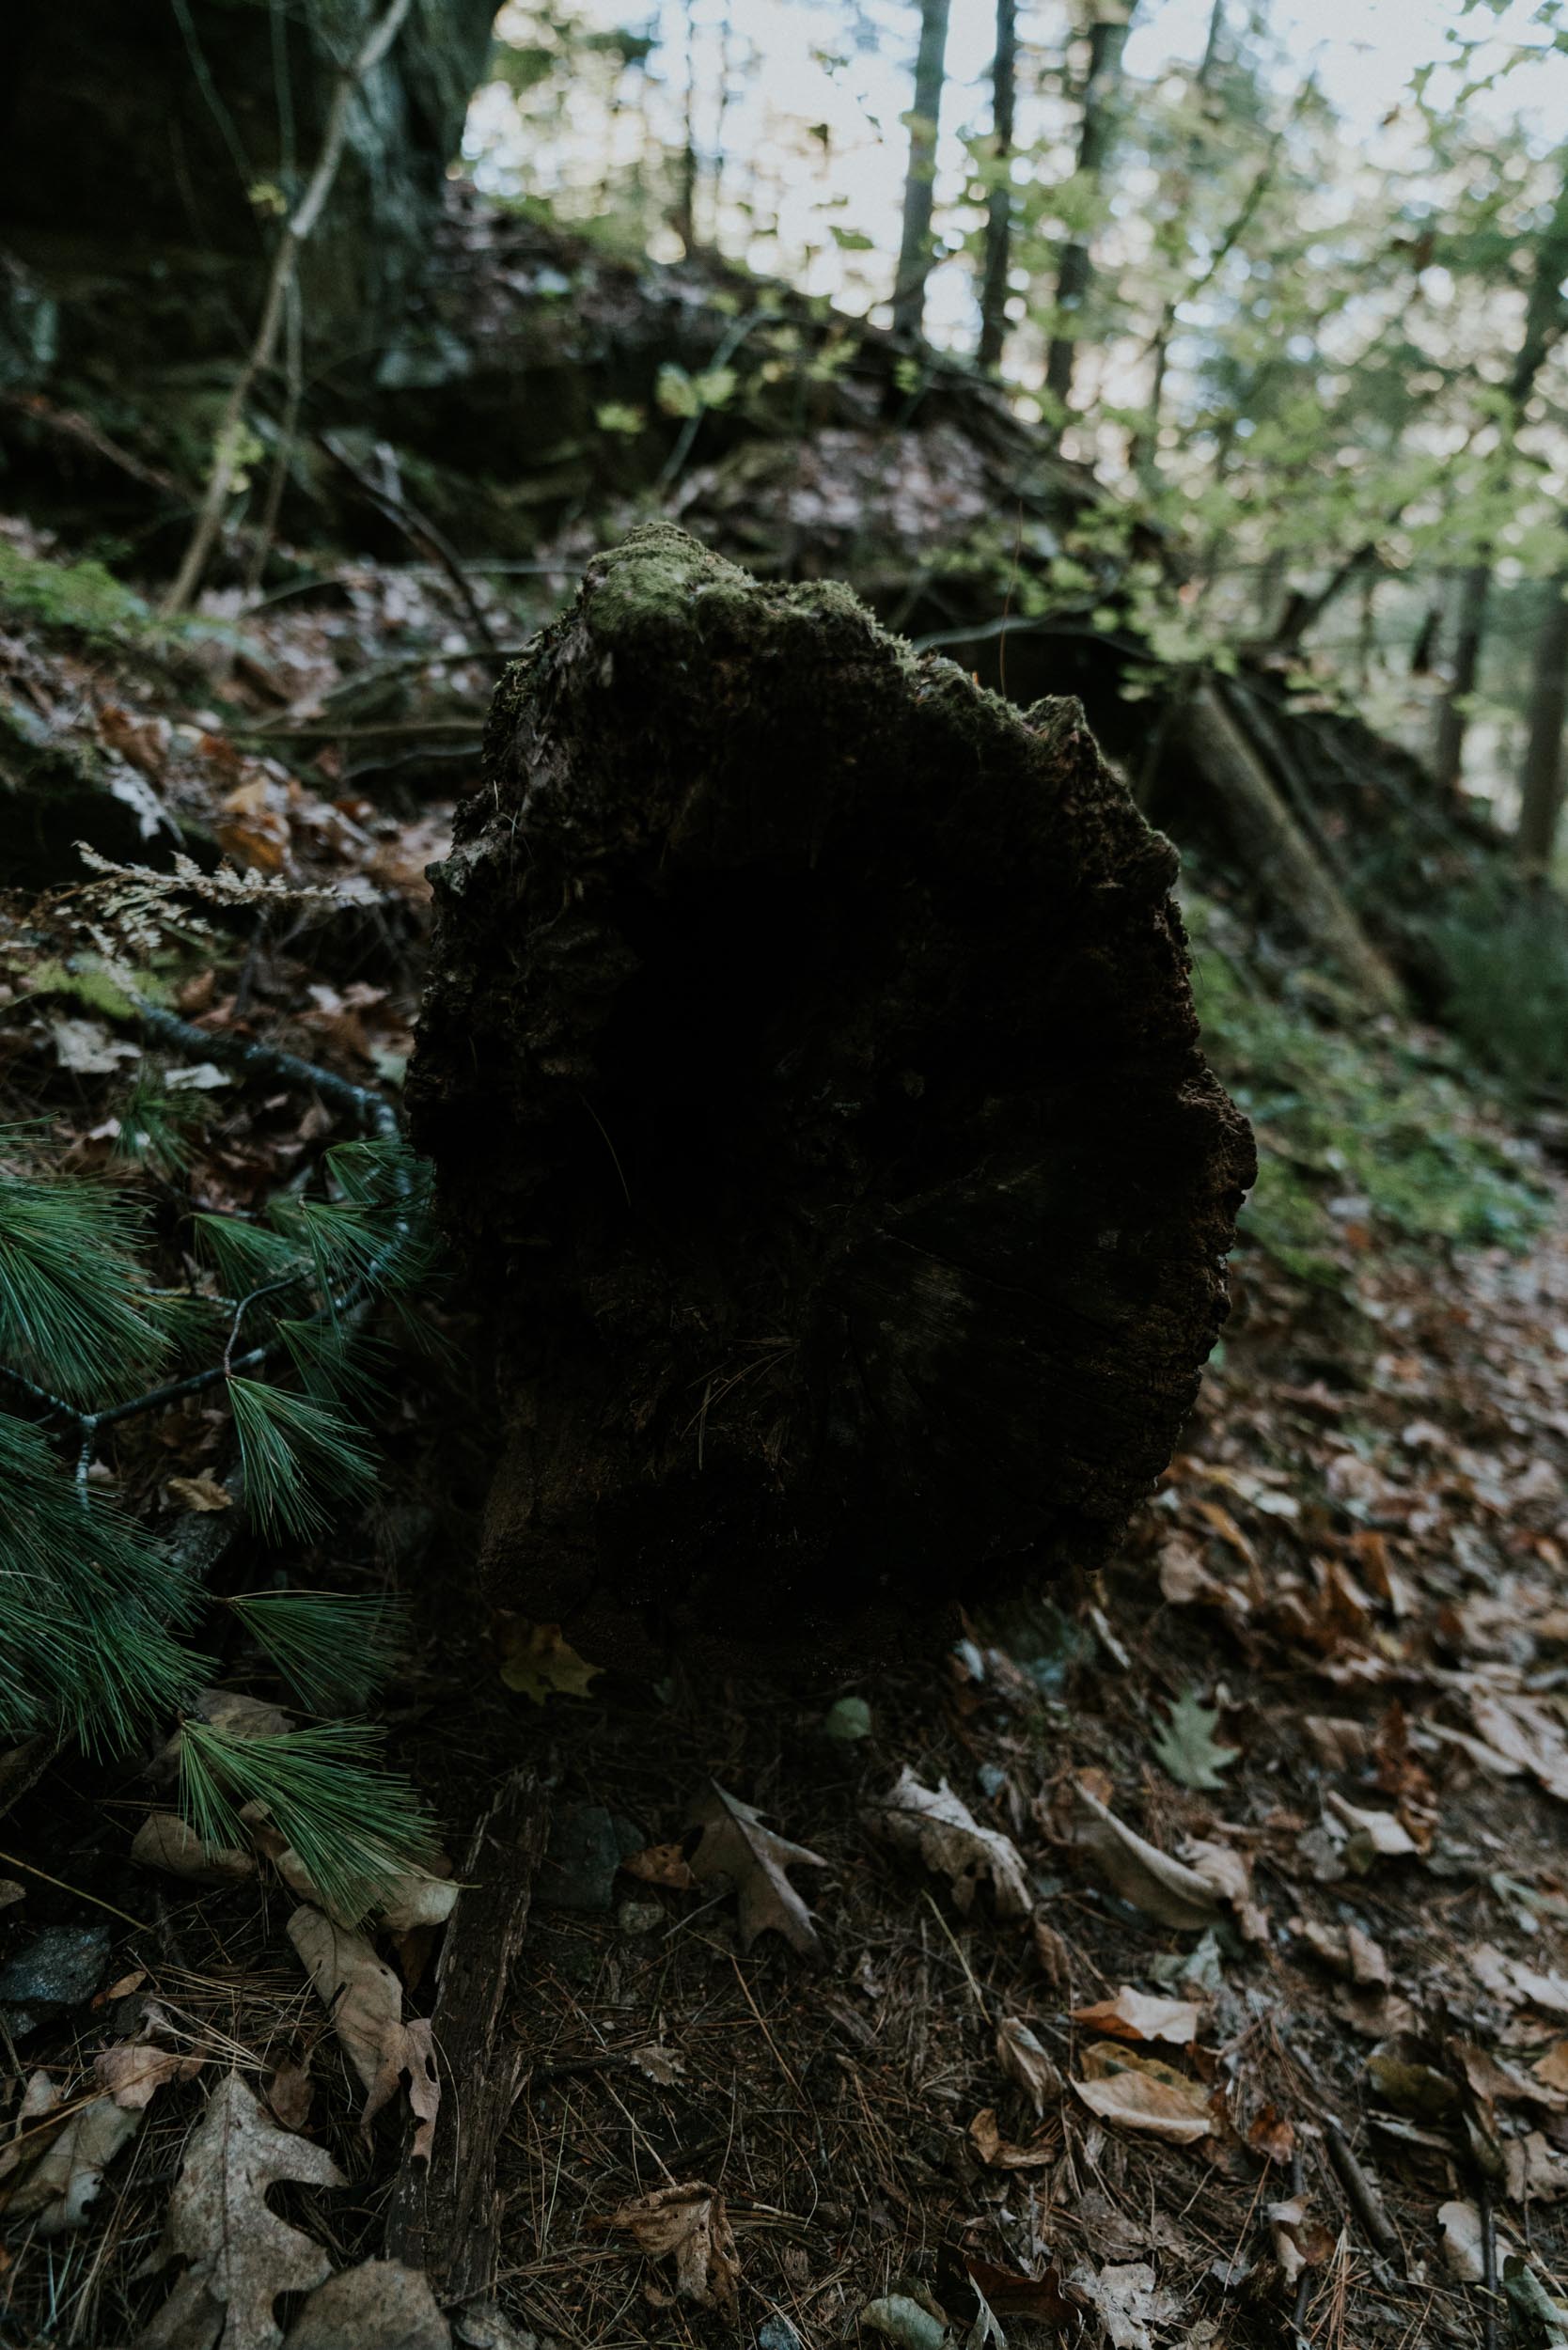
x,y
1106,41
998,208
914,254
812,1076
1540,775
1453,717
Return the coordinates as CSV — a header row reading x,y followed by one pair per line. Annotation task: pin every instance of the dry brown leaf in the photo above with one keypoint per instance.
x,y
1134,2015
1551,2070
131,2072
1534,2169
999,2153
687,2223
540,1663
1300,2240
939,1827
290,2093
1024,2060
1272,2134
164,1842
1013,2295
55,2191
735,1845
1374,1835
202,1493
240,2254
1143,2093
1516,1984
1461,2227
1130,2307
1051,1951
661,1864
380,2305
364,2001
1147,1878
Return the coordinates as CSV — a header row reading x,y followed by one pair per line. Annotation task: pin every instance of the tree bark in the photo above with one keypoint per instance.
x,y
920,186
1106,41
1540,775
1453,716
999,206
812,1076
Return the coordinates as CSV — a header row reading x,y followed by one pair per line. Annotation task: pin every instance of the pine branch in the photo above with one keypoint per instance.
x,y
358,1831
332,1648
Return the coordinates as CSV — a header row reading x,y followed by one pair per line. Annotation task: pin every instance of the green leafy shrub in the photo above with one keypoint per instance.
x,y
1503,957
1347,1112
84,598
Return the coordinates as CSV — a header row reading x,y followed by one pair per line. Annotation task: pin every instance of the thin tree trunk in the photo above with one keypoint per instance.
x,y
1106,41
685,202
915,253
998,213
1453,718
1540,774
297,231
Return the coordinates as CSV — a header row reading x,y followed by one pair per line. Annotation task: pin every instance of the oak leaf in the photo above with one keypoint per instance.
x,y
734,1844
938,1826
687,2223
241,2255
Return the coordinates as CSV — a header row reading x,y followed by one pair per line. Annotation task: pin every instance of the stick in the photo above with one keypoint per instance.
x,y
445,2215
298,229
1363,2195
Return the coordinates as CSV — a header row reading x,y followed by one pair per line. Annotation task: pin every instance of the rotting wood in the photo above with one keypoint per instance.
x,y
1282,859
811,1071
445,2215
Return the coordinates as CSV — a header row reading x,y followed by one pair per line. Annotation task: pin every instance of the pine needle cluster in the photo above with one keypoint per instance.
x,y
96,1616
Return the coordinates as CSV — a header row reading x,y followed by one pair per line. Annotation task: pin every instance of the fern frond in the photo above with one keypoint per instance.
x,y
359,1829
72,1292
332,1648
295,1451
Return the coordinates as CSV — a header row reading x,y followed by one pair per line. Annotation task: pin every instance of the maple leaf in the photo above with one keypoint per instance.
x,y
240,2254
734,1844
1188,1747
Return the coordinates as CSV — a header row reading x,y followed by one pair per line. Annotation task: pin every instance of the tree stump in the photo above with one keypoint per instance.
x,y
812,1077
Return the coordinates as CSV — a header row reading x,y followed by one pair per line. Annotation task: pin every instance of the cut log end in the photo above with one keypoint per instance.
x,y
813,1080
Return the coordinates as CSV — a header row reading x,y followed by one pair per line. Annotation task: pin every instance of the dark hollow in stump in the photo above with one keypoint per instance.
x,y
812,1076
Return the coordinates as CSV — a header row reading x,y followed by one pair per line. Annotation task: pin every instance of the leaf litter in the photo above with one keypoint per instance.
x,y
1254,1838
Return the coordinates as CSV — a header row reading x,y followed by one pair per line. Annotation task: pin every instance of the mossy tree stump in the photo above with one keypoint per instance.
x,y
812,1075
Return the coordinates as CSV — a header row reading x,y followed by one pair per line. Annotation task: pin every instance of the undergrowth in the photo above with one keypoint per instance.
x,y
1504,960
1358,1128
84,598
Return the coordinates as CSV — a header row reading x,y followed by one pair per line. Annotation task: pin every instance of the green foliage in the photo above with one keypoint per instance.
x,y
89,1608
72,1295
296,1452
83,598
332,1648
1504,960
358,1828
1348,1115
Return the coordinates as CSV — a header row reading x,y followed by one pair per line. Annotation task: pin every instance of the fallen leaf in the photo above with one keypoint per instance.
x,y
661,1864
1013,2295
688,2224
240,2254
1518,1986
290,2095
1051,1952
380,2305
939,1827
1460,2226
1374,1835
57,2189
1187,1748
1300,2240
1405,2080
364,2001
1001,2154
1534,2171
1024,2060
536,1660
1126,2301
1147,1878
735,1845
1551,2070
1272,2134
1134,2016
1141,2093
899,2319
133,2073
657,2064
1229,1874
164,1842
88,1049
202,1493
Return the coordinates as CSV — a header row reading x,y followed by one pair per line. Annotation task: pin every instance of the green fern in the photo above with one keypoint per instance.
x,y
358,1828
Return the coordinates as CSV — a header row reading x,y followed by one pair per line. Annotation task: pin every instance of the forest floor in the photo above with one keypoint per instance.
x,y
1219,1993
